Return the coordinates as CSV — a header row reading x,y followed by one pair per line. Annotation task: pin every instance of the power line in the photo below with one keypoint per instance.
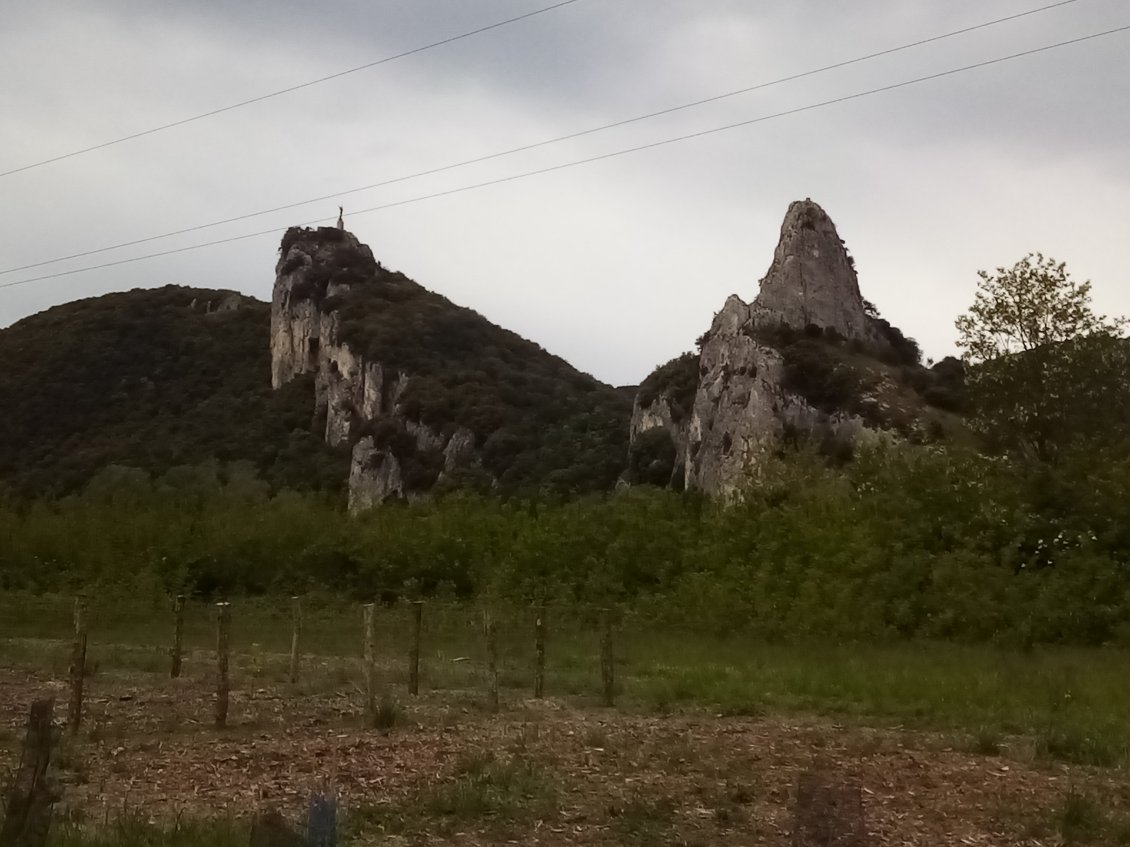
x,y
538,144
289,90
602,157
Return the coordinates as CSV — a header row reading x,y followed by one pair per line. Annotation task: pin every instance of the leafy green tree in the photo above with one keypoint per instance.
x,y
1046,372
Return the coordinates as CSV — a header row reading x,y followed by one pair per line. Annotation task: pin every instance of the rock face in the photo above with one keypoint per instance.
x,y
742,409
352,397
812,279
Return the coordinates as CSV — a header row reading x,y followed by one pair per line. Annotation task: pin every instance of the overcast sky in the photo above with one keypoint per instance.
x,y
617,265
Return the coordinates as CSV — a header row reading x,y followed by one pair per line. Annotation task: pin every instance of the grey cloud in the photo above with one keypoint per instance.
x,y
618,265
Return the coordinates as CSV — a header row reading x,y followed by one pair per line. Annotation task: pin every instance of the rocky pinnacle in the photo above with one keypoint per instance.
x,y
812,278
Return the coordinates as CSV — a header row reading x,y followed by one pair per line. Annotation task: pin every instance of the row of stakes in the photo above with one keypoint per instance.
x,y
77,670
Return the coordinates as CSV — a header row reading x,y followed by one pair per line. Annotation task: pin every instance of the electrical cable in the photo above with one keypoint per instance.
x,y
602,157
282,91
535,145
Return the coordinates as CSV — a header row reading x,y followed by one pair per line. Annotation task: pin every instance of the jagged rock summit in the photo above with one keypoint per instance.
x,y
812,280
316,270
806,360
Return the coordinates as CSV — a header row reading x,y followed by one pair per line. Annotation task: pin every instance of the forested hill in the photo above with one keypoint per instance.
x,y
152,379
176,376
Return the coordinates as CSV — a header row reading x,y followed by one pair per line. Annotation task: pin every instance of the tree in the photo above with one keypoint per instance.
x,y
1046,372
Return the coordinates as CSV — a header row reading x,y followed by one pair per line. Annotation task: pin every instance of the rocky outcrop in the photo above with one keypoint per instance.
x,y
743,409
356,403
812,280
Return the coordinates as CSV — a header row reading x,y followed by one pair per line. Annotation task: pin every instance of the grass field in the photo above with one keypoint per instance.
x,y
686,704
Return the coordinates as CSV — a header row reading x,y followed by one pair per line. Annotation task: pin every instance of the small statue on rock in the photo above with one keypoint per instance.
x,y
340,218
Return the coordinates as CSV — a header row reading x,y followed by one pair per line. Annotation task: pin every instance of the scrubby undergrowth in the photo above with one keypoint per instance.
x,y
897,544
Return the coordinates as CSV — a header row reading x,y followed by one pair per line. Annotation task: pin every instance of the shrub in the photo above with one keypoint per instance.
x,y
652,457
820,377
677,380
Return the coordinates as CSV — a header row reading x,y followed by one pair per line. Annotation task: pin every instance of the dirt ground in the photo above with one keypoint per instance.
x,y
589,775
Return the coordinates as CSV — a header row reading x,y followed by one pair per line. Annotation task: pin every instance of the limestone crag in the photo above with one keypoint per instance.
x,y
298,323
316,271
742,409
812,279
659,415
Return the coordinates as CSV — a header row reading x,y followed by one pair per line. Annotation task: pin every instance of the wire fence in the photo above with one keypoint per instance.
x,y
401,648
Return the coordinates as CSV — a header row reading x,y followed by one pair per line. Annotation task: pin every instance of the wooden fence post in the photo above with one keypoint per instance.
x,y
321,820
78,667
492,660
414,649
370,660
539,652
607,661
178,635
223,648
295,636
27,808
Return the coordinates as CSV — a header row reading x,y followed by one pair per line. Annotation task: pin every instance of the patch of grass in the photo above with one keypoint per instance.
x,y
482,790
1076,818
30,653
131,829
387,715
1079,818
153,660
991,692
68,757
1079,746
487,787
643,820
986,741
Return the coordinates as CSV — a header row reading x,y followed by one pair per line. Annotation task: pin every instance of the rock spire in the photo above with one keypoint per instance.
x,y
812,278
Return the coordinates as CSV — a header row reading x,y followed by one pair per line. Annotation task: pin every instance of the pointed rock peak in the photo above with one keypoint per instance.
x,y
812,278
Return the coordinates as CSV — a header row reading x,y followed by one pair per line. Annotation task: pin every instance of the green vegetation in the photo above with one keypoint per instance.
x,y
677,381
1079,818
653,458
889,391
896,349
540,423
482,788
134,829
1048,375
1050,703
899,543
643,820
154,379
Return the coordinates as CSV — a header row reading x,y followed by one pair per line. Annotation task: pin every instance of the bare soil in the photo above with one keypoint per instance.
x,y
612,777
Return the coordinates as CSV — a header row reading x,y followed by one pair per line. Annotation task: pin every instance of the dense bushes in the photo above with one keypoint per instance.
x,y
899,349
152,378
677,381
899,543
945,387
540,422
652,458
825,380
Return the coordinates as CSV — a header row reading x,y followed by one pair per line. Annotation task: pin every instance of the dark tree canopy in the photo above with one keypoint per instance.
x,y
1046,372
152,378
